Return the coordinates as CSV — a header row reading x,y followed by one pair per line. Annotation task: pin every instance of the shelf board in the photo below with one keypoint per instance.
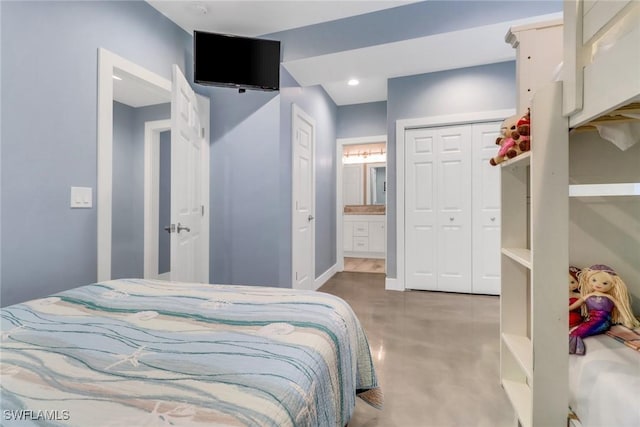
x,y
519,395
522,351
520,255
523,159
605,190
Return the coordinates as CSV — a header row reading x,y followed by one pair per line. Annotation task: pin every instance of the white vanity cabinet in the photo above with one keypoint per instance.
x,y
364,236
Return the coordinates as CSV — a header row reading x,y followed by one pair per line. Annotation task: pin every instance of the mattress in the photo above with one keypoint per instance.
x,y
604,384
142,352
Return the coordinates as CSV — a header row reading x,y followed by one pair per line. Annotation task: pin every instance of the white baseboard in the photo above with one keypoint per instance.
x,y
324,277
392,284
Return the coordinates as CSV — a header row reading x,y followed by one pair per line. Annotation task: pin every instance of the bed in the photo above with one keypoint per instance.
x,y
604,384
144,352
601,93
601,63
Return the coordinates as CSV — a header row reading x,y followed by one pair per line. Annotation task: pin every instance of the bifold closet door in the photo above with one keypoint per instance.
x,y
486,210
438,208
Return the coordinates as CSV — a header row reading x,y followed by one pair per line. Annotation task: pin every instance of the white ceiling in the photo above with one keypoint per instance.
x,y
372,66
253,18
134,92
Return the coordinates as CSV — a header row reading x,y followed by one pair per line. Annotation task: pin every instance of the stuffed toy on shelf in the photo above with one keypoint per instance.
x,y
605,301
524,131
575,315
514,138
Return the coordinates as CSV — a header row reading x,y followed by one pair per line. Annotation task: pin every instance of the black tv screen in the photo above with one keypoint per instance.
x,y
233,61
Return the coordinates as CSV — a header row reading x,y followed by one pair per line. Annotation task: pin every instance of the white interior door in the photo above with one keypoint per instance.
x,y
303,236
187,206
420,211
438,209
454,208
486,210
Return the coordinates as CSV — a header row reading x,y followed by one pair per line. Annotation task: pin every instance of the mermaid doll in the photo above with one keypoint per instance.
x,y
575,315
604,301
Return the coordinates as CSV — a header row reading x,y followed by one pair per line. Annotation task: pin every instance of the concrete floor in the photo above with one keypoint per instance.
x,y
436,355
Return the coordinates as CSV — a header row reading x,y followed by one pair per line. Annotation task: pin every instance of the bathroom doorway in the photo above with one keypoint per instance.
x,y
361,204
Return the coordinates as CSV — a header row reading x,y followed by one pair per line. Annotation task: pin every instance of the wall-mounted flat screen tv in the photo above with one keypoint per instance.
x,y
233,61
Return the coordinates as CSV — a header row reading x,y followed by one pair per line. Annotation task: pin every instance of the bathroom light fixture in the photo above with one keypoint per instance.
x,y
365,156
353,82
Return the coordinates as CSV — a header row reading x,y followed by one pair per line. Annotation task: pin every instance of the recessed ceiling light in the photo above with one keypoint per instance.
x,y
354,82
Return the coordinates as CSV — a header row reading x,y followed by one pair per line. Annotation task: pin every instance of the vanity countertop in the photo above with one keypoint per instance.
x,y
364,209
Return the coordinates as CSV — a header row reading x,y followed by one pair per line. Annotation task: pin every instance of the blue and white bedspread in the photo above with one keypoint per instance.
x,y
148,353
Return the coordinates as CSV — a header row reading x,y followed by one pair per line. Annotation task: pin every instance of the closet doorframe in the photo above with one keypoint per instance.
x,y
401,127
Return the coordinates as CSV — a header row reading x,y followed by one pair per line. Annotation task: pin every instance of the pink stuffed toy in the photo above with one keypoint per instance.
x,y
508,142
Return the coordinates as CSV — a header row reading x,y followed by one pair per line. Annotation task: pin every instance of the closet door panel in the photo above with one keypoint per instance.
x,y
453,201
420,215
486,210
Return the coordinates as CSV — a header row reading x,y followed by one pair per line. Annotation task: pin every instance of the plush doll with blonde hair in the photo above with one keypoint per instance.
x,y
604,301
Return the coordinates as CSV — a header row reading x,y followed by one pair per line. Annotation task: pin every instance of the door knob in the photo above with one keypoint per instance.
x,y
493,218
310,218
170,228
183,228
450,218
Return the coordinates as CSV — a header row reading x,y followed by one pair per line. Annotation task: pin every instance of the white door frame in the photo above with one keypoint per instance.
x,y
152,130
109,62
297,111
398,283
340,143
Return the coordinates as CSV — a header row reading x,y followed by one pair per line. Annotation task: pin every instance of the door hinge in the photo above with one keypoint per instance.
x,y
202,209
201,132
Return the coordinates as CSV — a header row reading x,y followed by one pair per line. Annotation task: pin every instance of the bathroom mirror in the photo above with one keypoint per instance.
x,y
376,183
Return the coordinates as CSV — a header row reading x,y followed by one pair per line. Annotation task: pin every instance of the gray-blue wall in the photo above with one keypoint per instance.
x,y
359,120
164,202
467,90
245,187
128,201
127,249
49,97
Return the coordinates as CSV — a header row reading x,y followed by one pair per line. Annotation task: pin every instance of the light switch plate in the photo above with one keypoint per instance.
x,y
81,197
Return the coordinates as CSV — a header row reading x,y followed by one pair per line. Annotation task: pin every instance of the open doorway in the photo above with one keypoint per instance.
x,y
361,216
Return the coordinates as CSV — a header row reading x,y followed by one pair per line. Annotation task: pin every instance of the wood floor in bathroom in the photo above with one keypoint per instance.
x,y
364,265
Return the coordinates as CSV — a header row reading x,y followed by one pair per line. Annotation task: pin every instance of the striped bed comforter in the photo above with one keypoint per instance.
x,y
147,353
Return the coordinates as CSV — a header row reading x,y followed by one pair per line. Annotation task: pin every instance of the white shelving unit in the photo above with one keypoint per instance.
x,y
534,344
605,190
